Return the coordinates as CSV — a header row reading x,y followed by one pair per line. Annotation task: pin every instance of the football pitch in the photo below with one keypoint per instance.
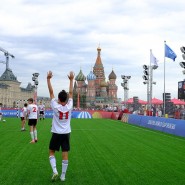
x,y
103,152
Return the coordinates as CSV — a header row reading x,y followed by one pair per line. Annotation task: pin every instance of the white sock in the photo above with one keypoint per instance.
x,y
64,168
35,134
52,161
32,136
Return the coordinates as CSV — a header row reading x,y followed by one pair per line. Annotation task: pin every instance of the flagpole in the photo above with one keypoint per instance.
x,y
164,103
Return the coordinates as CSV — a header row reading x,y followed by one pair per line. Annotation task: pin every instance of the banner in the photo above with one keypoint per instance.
x,y
167,125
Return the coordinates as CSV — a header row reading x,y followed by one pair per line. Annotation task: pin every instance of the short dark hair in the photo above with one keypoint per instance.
x,y
25,105
62,96
30,99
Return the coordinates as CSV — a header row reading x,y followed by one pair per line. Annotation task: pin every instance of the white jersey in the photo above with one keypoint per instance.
x,y
41,107
23,112
32,111
61,116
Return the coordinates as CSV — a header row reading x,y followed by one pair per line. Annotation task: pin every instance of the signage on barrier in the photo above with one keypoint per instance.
x,y
168,125
161,124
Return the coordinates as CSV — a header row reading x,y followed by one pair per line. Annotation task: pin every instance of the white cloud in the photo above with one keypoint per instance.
x,y
63,35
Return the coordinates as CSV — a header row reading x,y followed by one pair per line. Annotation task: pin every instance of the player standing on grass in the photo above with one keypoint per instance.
x,y
1,114
60,125
23,116
32,119
41,108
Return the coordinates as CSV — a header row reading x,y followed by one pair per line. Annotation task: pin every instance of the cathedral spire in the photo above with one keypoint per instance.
x,y
98,60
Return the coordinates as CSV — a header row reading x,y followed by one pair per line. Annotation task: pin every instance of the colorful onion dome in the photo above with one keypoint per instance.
x,y
112,75
91,76
103,84
80,76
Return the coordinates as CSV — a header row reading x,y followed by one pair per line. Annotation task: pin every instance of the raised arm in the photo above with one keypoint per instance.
x,y
50,88
71,77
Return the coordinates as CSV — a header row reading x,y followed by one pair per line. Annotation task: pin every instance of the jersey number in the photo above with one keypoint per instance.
x,y
63,115
34,109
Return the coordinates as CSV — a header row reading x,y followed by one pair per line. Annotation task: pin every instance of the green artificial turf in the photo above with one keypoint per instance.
x,y
102,152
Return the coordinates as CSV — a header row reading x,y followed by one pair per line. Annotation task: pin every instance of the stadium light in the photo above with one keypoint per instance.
x,y
36,83
182,64
154,67
125,87
145,82
148,80
183,51
146,72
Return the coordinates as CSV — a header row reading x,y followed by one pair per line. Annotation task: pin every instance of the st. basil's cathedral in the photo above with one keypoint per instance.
x,y
97,92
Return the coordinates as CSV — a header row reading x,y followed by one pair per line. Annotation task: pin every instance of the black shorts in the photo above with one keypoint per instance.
x,y
32,122
60,140
41,112
22,119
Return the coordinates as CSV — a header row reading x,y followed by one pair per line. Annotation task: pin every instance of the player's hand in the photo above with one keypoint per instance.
x,y
49,75
71,75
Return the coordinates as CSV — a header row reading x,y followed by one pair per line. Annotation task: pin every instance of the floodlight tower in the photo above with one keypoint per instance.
x,y
36,82
182,64
153,67
7,54
148,80
125,87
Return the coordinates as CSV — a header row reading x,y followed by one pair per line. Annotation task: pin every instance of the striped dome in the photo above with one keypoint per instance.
x,y
80,76
91,76
85,115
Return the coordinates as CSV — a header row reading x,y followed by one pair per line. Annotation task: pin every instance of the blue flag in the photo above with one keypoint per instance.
x,y
169,53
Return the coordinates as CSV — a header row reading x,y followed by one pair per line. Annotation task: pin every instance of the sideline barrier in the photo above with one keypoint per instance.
x,y
9,113
13,113
167,125
89,114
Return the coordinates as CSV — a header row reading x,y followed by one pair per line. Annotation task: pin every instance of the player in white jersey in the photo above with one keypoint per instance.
x,y
41,108
61,128
1,113
23,116
32,119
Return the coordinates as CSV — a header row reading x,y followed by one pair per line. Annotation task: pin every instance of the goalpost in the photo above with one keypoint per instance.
x,y
19,104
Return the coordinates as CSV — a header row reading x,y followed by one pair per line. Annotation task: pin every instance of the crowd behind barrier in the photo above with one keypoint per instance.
x,y
168,125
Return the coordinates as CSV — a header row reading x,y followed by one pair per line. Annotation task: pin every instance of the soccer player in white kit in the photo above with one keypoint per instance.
x,y
41,108
1,114
32,119
23,116
61,128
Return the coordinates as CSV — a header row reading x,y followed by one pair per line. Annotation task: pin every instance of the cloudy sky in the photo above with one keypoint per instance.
x,y
63,35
